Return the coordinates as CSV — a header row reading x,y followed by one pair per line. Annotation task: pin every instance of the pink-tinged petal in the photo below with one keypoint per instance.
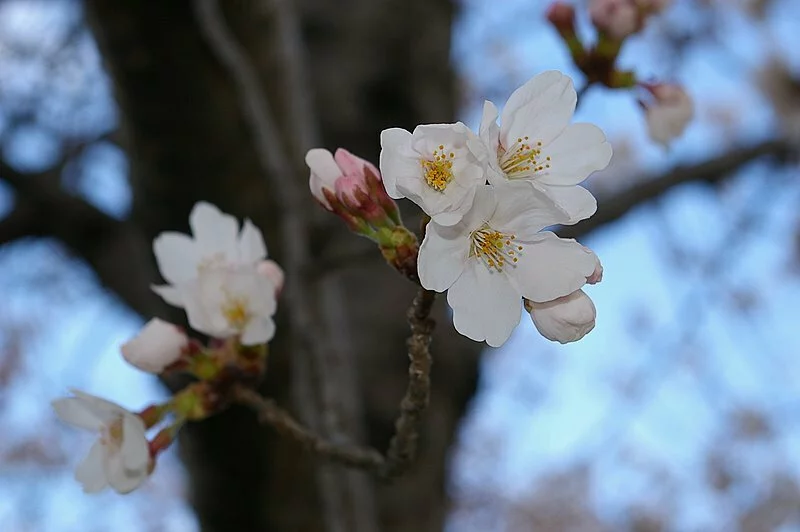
x,y
215,234
576,201
580,150
550,267
258,331
566,319
121,479
170,294
442,256
251,244
74,411
524,210
90,471
273,272
353,165
540,109
485,305
157,345
176,256
397,160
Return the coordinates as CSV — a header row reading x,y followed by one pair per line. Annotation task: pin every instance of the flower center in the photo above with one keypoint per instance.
x,y
111,434
216,260
522,158
438,171
493,248
235,311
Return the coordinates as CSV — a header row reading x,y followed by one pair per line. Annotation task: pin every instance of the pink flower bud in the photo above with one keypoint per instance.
x,y
273,272
157,345
597,274
616,18
669,113
562,16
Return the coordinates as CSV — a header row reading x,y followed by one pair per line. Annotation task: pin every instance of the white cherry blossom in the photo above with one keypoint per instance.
x,y
535,142
225,302
438,167
216,241
121,456
497,255
565,319
669,113
157,345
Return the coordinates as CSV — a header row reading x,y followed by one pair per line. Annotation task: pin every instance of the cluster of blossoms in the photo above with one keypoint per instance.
x,y
667,106
489,196
220,276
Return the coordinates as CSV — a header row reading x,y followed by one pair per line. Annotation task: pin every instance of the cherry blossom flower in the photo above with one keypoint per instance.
x,y
497,255
121,456
216,242
227,302
670,112
536,143
565,319
438,167
157,345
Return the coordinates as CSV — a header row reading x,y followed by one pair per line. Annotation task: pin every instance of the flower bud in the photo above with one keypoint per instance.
x,y
616,18
157,345
562,16
273,272
668,113
597,274
566,319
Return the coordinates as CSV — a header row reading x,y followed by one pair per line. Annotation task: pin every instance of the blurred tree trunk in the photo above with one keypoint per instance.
x,y
373,64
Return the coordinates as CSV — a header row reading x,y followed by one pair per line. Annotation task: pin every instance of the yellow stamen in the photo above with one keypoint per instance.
x,y
522,158
494,248
438,171
236,312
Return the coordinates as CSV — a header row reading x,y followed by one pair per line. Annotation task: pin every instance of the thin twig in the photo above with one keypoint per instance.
x,y
403,446
269,412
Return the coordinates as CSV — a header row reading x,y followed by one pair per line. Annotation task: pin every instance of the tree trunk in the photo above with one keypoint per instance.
x,y
373,64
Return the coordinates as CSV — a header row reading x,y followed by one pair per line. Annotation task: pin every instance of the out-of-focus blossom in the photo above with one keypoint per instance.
x,y
273,272
669,112
216,242
121,456
157,345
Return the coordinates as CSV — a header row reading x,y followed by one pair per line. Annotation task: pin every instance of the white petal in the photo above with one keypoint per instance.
x,y
485,305
396,159
74,411
259,330
566,319
157,345
576,201
215,233
90,471
489,131
539,109
251,244
135,450
551,267
170,294
580,150
273,272
524,210
324,173
176,256
442,256
101,408
203,300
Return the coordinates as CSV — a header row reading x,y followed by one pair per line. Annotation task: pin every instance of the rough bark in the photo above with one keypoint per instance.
x,y
374,64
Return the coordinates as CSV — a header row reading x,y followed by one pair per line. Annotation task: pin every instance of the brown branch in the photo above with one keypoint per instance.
x,y
403,446
647,188
269,412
